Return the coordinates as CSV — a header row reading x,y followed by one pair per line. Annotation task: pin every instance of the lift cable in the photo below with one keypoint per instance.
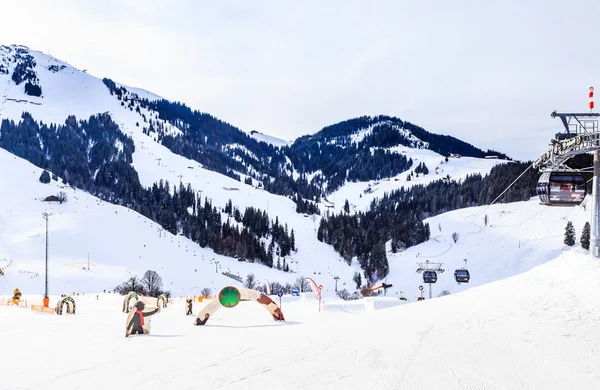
x,y
522,223
503,192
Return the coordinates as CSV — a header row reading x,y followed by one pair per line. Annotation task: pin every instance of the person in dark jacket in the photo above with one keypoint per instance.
x,y
135,323
189,307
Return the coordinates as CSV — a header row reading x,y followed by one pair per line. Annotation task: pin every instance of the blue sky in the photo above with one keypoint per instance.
x,y
487,72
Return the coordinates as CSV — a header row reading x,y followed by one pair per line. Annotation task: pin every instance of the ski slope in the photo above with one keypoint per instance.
x,y
86,225
537,330
519,236
74,92
269,139
361,194
120,243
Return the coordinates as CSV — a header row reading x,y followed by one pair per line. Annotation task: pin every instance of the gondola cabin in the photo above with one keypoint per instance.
x,y
462,276
561,188
429,277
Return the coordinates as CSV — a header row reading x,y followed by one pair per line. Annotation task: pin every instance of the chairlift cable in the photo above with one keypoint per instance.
x,y
503,192
522,223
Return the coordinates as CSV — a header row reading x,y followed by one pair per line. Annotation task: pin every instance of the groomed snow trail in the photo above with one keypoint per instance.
x,y
537,330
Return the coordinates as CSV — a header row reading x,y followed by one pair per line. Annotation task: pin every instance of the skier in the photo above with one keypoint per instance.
x,y
189,307
135,320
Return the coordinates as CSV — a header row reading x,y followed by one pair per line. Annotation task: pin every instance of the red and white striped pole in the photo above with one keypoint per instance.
x,y
591,98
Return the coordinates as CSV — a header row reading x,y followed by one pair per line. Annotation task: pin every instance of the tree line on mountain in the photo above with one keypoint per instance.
x,y
331,151
398,215
205,138
95,156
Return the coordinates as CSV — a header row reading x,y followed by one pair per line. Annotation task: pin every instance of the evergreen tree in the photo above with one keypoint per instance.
x,y
45,177
378,267
569,234
346,207
585,236
358,280
321,231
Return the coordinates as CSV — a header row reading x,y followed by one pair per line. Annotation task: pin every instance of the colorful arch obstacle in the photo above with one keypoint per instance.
x,y
162,300
130,300
230,297
139,319
67,302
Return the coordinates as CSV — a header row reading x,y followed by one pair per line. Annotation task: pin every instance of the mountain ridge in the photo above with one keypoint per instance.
x,y
280,169
130,149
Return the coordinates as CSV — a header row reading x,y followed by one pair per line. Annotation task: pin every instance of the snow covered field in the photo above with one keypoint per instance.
x,y
537,330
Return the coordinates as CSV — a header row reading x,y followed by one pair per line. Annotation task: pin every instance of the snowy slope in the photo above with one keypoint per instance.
x,y
361,194
519,236
537,330
70,91
260,137
121,243
73,92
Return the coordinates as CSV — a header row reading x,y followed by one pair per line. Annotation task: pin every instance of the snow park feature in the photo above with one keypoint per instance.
x,y
230,297
131,298
16,299
317,290
138,320
162,300
67,302
379,286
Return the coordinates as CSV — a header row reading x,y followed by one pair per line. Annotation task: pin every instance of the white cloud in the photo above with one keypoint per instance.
x,y
487,72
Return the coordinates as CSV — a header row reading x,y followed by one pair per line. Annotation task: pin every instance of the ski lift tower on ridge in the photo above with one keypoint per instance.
x,y
429,271
582,136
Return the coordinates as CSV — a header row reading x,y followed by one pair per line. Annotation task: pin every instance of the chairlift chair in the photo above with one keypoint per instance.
x,y
429,277
462,276
561,188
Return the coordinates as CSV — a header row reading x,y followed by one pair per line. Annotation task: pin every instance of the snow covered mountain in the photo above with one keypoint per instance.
x,y
121,243
121,143
357,150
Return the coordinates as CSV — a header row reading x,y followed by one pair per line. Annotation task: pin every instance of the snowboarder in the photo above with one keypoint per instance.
x,y
189,307
135,320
